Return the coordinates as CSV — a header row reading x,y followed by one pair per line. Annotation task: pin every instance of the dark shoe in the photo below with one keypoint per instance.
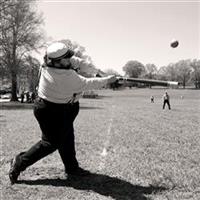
x,y
13,172
77,172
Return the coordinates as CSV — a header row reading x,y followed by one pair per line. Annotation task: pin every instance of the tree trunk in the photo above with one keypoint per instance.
x,y
198,84
14,87
184,82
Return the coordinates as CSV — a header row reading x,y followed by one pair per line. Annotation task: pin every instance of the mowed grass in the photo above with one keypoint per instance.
x,y
133,148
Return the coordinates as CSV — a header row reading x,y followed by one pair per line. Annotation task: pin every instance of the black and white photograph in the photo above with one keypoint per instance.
x,y
99,99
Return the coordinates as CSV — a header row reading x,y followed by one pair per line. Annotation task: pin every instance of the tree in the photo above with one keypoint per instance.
x,y
162,73
111,72
171,72
183,71
20,33
133,69
4,76
150,71
195,75
6,4
28,74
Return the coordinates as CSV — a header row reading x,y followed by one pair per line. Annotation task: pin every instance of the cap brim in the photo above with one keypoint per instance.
x,y
68,54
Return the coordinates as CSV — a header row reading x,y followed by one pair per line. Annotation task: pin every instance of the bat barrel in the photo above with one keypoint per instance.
x,y
149,81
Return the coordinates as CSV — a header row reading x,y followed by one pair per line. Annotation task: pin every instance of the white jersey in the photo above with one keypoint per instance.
x,y
166,97
64,86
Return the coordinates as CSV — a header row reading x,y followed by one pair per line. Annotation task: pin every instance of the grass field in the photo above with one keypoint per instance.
x,y
133,148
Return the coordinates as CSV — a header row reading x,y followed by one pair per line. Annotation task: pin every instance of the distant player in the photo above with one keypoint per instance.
x,y
22,97
166,100
152,99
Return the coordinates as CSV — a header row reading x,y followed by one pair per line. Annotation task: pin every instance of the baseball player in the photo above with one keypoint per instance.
x,y
56,108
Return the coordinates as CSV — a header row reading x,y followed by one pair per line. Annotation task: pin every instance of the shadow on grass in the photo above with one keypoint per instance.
x,y
16,106
90,107
102,184
101,96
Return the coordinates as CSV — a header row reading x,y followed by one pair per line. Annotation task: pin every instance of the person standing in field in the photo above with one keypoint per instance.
x,y
33,96
27,97
55,108
22,97
166,100
152,99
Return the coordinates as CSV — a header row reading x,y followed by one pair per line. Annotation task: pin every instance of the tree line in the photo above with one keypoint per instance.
x,y
21,34
186,72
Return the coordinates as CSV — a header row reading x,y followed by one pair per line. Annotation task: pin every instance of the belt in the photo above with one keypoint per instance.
x,y
39,99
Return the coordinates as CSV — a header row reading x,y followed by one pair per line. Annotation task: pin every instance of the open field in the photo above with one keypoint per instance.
x,y
134,149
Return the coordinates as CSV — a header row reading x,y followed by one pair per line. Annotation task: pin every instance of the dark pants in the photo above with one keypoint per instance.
x,y
56,123
166,102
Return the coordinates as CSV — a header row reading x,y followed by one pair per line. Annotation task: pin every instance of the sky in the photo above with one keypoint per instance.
x,y
115,32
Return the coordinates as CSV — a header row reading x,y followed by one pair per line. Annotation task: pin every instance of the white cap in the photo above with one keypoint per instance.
x,y
57,50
